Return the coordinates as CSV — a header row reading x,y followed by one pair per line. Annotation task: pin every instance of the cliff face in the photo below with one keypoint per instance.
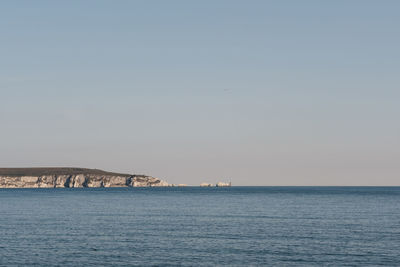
x,y
61,179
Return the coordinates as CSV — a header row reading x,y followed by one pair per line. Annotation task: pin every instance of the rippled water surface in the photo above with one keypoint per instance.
x,y
240,226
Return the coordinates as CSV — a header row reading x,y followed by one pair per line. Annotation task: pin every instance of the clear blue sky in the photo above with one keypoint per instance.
x,y
256,92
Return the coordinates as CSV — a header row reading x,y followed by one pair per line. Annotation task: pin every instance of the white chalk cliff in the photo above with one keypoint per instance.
x,y
72,178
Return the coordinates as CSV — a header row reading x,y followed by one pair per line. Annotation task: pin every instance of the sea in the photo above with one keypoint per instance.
x,y
194,226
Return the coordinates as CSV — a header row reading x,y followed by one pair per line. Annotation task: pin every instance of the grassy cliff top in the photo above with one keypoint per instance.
x,y
54,171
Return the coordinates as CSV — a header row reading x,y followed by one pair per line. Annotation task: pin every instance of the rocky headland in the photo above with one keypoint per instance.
x,y
72,178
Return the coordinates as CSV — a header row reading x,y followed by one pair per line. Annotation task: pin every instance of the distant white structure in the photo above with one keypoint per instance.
x,y
221,184
205,185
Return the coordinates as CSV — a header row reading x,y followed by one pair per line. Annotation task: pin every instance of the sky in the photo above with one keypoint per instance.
x,y
253,92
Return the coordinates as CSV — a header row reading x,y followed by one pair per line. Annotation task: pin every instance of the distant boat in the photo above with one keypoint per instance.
x,y
205,185
221,184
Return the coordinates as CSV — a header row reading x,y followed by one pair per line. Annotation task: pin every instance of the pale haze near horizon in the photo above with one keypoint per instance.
x,y
253,92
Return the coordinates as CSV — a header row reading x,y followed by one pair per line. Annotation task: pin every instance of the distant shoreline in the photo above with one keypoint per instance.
x,y
73,178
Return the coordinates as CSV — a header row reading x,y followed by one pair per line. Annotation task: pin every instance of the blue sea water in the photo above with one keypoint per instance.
x,y
192,226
